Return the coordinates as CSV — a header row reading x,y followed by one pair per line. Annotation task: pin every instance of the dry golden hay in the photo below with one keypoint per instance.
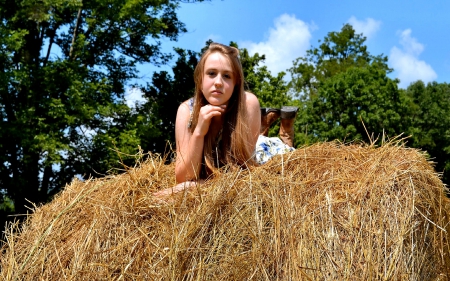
x,y
325,212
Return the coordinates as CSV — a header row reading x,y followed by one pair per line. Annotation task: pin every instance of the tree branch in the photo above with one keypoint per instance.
x,y
75,30
52,40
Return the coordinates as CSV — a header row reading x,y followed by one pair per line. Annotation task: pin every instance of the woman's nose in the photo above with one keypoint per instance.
x,y
218,80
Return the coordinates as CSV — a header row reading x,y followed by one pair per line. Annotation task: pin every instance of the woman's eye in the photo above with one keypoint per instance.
x,y
211,73
228,76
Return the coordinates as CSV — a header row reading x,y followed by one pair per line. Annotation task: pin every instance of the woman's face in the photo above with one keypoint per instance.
x,y
218,79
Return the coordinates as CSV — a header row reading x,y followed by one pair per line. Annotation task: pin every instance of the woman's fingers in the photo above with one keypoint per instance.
x,y
164,196
207,113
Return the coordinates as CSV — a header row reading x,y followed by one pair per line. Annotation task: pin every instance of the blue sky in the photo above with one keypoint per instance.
x,y
413,34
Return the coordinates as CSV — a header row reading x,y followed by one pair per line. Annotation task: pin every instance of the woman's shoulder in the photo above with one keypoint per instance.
x,y
250,96
184,109
251,100
187,105
188,102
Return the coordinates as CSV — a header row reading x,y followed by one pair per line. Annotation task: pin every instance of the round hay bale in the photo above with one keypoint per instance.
x,y
324,212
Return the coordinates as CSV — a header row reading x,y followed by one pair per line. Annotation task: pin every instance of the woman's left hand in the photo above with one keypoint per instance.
x,y
165,194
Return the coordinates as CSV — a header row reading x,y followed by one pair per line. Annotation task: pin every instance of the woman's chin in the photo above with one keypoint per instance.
x,y
217,102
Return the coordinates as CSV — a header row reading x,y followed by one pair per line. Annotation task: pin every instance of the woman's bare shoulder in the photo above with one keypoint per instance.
x,y
186,103
250,96
184,106
183,113
254,117
251,100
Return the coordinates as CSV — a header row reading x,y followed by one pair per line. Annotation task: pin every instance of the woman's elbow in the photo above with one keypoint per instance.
x,y
181,175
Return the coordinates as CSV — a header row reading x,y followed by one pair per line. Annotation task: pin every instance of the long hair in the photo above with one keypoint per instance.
x,y
235,136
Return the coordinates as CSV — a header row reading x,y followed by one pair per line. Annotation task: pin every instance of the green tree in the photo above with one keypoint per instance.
x,y
338,52
163,97
339,84
430,122
347,99
65,65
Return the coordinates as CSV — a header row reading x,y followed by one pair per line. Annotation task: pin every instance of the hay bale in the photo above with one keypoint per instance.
x,y
324,212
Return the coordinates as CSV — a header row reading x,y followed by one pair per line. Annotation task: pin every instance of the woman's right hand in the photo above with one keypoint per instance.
x,y
206,114
190,145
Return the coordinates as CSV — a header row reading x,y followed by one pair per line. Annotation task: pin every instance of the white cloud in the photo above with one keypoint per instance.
x,y
133,96
406,63
367,27
410,44
286,42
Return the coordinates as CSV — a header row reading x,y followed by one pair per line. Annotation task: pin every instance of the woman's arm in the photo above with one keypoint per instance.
x,y
190,145
254,119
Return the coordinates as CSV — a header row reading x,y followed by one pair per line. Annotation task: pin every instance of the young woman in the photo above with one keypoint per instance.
x,y
220,125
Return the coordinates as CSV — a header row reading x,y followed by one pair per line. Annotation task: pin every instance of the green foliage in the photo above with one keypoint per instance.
x,y
338,52
65,65
430,122
340,86
349,98
164,96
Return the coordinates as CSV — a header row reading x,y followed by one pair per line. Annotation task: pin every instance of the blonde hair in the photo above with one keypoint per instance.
x,y
235,136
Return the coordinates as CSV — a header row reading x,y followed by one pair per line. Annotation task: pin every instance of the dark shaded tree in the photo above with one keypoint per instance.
x,y
163,97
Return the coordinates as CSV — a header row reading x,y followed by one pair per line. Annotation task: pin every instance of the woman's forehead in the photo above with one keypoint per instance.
x,y
218,61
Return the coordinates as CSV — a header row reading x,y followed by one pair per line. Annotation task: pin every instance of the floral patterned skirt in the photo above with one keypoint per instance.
x,y
266,148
